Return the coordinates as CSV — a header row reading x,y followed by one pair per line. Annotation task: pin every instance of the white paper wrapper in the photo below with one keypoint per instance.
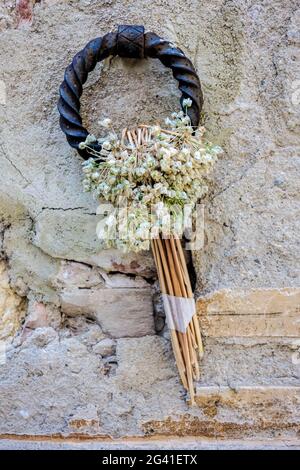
x,y
179,311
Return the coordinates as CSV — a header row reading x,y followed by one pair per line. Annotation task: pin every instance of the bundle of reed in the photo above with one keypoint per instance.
x,y
174,281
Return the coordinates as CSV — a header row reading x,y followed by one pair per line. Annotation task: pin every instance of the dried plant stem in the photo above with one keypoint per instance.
x,y
184,280
174,280
182,336
174,339
129,137
166,131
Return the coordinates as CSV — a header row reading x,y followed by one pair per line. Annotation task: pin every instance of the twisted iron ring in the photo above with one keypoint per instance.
x,y
129,41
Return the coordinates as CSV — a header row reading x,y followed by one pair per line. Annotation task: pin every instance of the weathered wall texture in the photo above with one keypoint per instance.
x,y
82,350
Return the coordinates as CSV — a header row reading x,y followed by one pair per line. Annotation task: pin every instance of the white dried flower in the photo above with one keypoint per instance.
x,y
105,123
185,151
207,157
156,130
186,120
187,103
91,139
169,122
166,173
217,149
110,220
106,145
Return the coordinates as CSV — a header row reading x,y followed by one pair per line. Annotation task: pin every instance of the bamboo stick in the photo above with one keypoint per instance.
x,y
195,362
187,359
176,284
181,337
193,357
178,356
188,354
174,339
177,267
165,266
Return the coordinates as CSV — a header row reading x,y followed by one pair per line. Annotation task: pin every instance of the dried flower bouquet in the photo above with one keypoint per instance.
x,y
149,175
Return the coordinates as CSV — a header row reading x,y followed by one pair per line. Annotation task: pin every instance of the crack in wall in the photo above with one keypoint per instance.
x,y
66,209
5,155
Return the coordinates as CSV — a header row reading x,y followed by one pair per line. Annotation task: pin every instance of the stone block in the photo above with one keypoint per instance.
x,y
120,312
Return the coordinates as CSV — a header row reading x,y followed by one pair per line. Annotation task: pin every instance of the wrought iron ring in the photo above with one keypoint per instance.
x,y
129,41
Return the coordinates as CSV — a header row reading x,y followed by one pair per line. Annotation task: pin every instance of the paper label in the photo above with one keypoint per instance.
x,y
179,311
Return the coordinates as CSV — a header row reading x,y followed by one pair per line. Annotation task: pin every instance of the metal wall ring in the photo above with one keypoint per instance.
x,y
129,41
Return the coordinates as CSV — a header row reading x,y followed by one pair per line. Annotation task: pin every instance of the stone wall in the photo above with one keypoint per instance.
x,y
82,345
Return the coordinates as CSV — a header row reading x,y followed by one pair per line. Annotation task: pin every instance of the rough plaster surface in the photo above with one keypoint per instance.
x,y
84,357
12,307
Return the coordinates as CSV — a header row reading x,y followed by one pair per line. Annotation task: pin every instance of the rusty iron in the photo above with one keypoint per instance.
x,y
129,41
